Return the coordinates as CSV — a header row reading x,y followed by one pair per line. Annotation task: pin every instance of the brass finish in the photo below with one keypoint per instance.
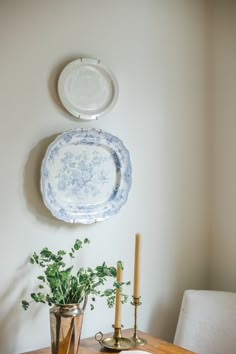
x,y
66,323
117,342
136,339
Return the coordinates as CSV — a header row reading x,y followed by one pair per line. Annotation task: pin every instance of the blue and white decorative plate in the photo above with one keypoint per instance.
x,y
86,176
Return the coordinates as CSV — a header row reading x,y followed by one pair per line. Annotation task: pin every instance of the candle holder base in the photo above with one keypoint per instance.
x,y
138,341
120,344
117,342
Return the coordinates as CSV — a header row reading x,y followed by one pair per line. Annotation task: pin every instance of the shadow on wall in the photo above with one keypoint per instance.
x,y
11,314
164,319
32,181
33,165
53,82
9,322
52,87
32,192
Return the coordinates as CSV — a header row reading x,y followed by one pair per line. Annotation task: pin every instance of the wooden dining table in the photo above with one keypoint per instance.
x,y
154,345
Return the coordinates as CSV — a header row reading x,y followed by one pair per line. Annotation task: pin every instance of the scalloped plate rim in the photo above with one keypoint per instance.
x,y
112,207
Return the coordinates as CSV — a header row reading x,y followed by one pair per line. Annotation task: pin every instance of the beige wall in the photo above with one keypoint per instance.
x,y
157,50
223,235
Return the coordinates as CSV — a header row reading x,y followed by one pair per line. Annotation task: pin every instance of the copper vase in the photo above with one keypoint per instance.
x,y
66,324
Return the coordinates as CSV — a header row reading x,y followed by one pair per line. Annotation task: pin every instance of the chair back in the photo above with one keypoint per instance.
x,y
207,322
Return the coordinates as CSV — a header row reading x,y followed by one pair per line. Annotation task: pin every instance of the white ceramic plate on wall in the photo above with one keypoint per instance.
x,y
87,88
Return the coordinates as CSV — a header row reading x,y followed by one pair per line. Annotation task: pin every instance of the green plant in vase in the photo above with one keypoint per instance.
x,y
66,288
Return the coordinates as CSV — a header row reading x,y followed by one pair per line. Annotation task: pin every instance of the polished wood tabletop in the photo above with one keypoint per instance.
x,y
153,345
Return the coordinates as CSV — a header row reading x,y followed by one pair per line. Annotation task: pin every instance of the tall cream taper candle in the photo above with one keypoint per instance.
x,y
137,266
118,298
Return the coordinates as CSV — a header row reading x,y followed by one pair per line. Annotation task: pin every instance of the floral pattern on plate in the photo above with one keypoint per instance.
x,y
86,176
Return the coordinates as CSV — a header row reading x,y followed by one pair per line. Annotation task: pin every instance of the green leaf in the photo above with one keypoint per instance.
x,y
111,301
61,253
39,297
25,304
78,244
113,272
45,252
120,265
108,292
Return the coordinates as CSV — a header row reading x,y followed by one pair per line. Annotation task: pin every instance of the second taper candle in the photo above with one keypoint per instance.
x,y
118,297
137,266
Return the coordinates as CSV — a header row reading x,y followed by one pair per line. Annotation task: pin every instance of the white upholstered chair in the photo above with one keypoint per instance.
x,y
207,322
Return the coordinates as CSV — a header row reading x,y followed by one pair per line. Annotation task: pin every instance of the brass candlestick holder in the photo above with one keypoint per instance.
x,y
117,342
136,339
